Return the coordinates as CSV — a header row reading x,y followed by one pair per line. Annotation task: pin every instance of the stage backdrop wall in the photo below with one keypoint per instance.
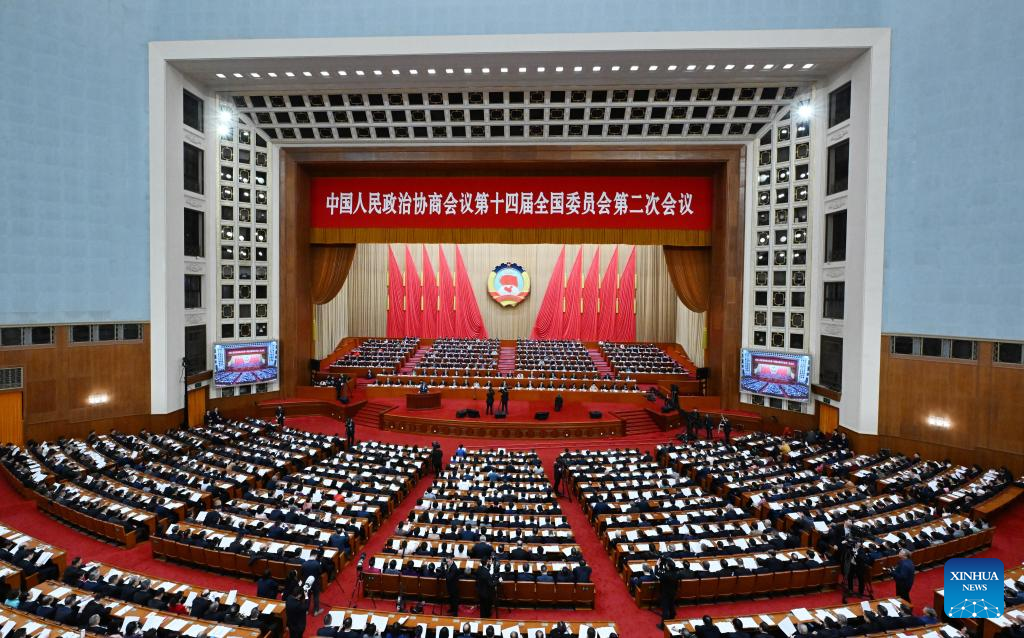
x,y
360,309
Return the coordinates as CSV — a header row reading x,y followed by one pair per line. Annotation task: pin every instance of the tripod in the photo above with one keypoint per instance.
x,y
862,573
359,589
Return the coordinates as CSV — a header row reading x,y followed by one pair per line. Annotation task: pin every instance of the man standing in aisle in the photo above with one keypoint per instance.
x,y
490,399
903,575
350,432
504,398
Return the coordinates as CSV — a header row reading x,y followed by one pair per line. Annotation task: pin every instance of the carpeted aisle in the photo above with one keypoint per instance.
x,y
613,600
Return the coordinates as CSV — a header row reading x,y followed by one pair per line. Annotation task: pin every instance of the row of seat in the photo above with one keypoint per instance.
x,y
522,593
226,562
712,587
104,529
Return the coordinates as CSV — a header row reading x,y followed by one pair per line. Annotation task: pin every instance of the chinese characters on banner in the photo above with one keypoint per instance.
x,y
669,203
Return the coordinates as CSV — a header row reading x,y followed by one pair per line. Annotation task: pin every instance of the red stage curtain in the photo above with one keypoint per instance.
x,y
396,298
625,320
548,324
588,321
413,297
573,291
445,298
428,322
467,313
606,307
690,271
330,270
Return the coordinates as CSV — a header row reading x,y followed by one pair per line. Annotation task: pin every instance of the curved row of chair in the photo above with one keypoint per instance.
x,y
711,587
522,593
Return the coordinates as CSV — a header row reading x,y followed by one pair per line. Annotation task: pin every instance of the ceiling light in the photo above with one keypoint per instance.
x,y
634,68
342,73
254,75
805,111
653,67
97,399
307,74
449,71
413,72
289,74
540,69
748,67
431,71
577,69
616,67
378,72
237,75
596,69
768,67
395,72
938,422
691,67
325,73
271,75
224,116
467,71
221,76
671,67
504,69
730,67
522,69
710,67
787,66
485,70
559,69
360,73
807,66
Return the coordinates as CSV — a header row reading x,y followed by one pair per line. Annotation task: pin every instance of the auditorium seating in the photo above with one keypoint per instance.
x,y
357,619
562,356
875,618
640,358
381,355
478,355
488,504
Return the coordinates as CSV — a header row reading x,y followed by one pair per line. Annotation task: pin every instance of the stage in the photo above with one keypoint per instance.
x,y
573,421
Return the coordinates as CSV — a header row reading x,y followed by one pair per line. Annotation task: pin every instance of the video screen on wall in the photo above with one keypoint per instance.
x,y
775,375
244,363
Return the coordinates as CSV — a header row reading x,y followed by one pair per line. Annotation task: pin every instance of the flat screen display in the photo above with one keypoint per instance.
x,y
771,374
244,363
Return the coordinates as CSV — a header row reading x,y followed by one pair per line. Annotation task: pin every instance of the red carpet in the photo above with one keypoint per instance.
x,y
613,600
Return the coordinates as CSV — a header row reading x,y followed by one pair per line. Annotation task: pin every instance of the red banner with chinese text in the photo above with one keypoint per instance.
x,y
656,203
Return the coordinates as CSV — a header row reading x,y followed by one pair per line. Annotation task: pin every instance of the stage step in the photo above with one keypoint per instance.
x,y
600,363
638,422
369,415
507,360
414,360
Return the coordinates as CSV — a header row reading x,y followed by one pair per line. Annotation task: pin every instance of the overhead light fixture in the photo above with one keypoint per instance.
x,y
710,67
224,116
467,70
221,76
449,71
289,74
540,69
730,67
807,66
787,66
522,69
691,67
395,72
325,73
254,75
413,72
360,73
307,74
616,67
653,67
378,72
431,71
577,69
271,75
596,69
342,73
938,422
671,67
634,68
768,67
504,69
804,111
485,70
559,69
747,67
97,399
237,75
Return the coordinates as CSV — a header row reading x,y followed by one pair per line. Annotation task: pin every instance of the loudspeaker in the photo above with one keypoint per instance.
x,y
460,414
703,373
314,365
344,400
595,414
473,414
500,415
541,416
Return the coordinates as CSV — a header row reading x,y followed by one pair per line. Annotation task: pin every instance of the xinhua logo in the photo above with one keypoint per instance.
x,y
973,588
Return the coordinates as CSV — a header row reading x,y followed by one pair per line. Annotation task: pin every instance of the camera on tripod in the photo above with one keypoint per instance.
x,y
359,564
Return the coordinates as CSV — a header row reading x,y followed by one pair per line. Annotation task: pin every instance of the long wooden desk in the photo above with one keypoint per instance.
x,y
526,628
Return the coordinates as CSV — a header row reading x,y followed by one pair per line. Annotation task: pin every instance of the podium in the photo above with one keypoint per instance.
x,y
423,401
